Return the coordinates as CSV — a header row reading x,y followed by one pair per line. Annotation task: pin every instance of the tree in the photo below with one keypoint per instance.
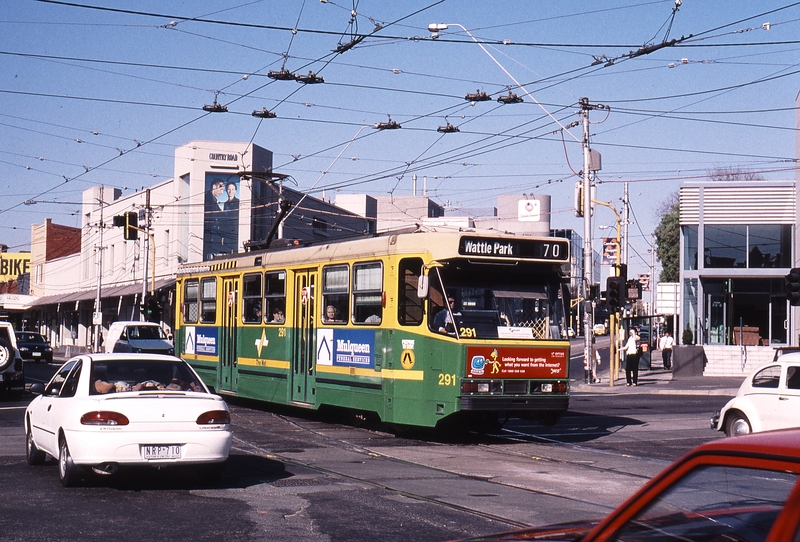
x,y
668,240
731,175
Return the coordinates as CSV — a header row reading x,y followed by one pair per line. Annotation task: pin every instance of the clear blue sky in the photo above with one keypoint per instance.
x,y
93,95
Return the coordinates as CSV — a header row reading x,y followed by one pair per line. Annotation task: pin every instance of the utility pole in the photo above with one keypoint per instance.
x,y
146,256
652,278
588,273
97,317
625,222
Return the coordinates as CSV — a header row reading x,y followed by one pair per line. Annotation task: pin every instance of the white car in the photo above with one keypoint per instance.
x,y
103,412
768,399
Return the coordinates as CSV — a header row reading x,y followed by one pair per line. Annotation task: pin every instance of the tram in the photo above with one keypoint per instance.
x,y
414,329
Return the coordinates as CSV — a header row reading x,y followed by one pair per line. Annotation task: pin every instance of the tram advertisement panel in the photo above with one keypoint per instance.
x,y
516,362
346,347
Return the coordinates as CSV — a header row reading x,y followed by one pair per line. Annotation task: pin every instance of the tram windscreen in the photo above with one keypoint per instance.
x,y
507,305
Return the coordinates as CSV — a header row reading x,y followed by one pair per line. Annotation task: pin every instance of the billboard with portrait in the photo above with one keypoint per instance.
x,y
220,215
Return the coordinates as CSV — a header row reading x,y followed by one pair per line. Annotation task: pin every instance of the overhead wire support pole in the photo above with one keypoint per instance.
x,y
98,299
588,264
588,315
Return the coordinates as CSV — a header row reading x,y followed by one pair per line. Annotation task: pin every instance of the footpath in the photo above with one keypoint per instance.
x,y
658,380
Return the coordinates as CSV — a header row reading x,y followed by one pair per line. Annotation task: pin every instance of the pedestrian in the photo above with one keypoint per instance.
x,y
632,359
665,345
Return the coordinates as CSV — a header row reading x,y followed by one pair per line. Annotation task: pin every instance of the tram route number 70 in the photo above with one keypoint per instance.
x,y
448,380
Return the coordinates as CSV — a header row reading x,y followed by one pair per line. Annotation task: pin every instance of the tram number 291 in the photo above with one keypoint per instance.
x,y
447,380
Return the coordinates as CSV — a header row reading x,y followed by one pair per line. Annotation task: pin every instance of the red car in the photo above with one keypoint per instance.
x,y
742,489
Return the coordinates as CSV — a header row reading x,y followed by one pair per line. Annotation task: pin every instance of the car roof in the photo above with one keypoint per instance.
x,y
784,444
793,357
129,356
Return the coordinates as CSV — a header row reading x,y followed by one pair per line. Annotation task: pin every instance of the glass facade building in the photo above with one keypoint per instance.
x,y
737,244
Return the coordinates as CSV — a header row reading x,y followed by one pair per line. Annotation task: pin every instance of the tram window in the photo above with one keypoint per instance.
x,y
275,296
252,308
335,282
409,307
208,301
367,293
190,312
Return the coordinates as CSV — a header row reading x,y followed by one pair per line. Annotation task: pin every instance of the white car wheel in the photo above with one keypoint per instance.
x,y
736,425
33,455
68,472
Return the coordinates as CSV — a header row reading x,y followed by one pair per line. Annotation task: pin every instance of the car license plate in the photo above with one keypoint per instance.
x,y
37,354
166,451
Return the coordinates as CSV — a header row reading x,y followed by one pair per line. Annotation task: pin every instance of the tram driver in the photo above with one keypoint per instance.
x,y
443,321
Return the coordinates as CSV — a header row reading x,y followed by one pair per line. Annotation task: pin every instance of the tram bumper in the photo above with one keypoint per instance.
x,y
515,403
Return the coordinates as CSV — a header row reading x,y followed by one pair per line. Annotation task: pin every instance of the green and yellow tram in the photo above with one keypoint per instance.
x,y
414,328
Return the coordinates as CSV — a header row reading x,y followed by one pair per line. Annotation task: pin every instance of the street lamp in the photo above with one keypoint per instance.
x,y
434,29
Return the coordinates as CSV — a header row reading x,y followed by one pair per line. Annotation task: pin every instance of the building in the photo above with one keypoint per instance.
x,y
737,245
223,198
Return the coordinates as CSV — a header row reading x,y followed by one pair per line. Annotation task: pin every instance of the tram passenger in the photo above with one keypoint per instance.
x,y
332,314
443,321
277,315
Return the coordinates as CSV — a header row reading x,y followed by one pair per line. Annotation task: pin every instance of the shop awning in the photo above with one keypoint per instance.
x,y
106,292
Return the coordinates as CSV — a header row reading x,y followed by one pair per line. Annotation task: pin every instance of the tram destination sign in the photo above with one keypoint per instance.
x,y
518,249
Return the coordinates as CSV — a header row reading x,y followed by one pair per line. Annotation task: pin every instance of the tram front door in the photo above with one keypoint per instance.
x,y
228,354
304,341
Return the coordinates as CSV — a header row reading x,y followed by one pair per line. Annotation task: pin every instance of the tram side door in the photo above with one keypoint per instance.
x,y
304,337
228,354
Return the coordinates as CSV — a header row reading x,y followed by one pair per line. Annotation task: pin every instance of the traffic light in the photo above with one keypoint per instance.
x,y
793,286
152,309
129,222
615,292
130,233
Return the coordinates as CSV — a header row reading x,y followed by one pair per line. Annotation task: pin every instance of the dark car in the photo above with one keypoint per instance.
x,y
12,368
34,347
735,489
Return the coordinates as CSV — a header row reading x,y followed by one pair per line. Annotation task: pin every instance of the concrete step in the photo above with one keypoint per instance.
x,y
735,360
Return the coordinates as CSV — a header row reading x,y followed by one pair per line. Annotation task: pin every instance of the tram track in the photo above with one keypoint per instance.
x,y
422,454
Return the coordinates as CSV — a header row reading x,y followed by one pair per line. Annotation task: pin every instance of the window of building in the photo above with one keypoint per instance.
x,y
208,300
275,297
770,245
725,246
190,306
368,293
690,248
252,301
736,246
335,281
409,305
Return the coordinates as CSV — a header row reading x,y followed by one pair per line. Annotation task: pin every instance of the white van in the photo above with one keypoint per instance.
x,y
145,337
